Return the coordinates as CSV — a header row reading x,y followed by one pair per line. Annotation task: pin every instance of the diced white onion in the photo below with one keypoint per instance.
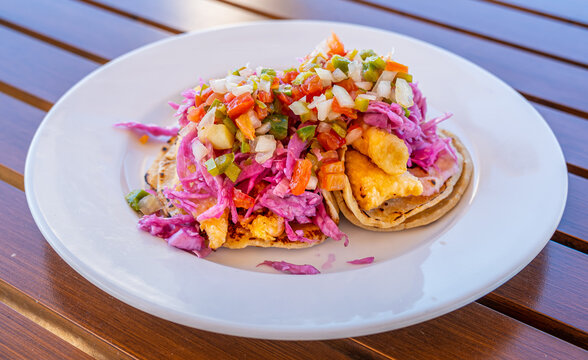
x,y
343,97
265,143
316,100
384,89
239,90
149,204
355,70
339,75
312,182
207,119
387,75
219,86
324,74
298,108
365,85
323,127
264,128
353,135
247,72
199,150
323,108
403,93
187,129
264,85
263,157
254,119
333,115
367,96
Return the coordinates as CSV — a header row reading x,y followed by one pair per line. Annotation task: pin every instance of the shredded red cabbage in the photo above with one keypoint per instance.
x,y
365,260
300,208
187,239
289,268
327,225
420,136
149,129
164,227
297,235
295,147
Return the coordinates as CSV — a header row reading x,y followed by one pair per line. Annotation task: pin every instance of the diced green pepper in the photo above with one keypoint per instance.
x,y
361,104
341,63
285,89
266,77
239,136
215,103
406,112
301,77
313,159
306,132
279,126
212,167
351,55
233,171
307,116
223,161
245,147
261,104
404,76
329,93
339,130
367,53
134,197
376,61
370,72
268,71
230,125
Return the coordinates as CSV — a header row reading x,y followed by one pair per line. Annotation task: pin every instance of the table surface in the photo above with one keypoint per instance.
x,y
49,311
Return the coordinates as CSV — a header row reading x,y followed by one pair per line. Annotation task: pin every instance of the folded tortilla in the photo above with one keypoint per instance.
x,y
410,211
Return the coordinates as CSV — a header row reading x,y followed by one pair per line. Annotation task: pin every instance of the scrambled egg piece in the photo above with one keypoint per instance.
x,y
371,186
267,227
216,229
386,150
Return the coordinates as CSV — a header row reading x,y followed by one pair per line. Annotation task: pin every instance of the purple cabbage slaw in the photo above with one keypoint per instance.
x,y
362,261
149,129
289,268
420,136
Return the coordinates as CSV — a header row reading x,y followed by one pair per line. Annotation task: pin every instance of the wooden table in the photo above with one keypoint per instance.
x,y
49,311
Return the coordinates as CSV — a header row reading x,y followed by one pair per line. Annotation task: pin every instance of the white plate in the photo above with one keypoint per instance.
x,y
79,168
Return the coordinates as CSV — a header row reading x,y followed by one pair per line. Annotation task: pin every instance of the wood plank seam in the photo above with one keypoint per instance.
x,y
55,323
555,105
570,241
577,170
12,177
132,16
536,319
471,33
25,97
54,42
372,349
537,12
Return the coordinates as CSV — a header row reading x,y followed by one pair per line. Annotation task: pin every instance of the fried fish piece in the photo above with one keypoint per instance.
x,y
386,150
371,186
216,229
267,227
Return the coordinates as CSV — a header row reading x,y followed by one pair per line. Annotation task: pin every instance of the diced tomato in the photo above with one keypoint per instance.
x,y
242,200
275,84
343,110
290,76
284,99
213,97
312,86
229,97
297,93
330,140
348,84
204,94
265,97
300,176
329,66
240,105
335,45
333,167
244,124
329,156
394,66
261,112
331,182
196,114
